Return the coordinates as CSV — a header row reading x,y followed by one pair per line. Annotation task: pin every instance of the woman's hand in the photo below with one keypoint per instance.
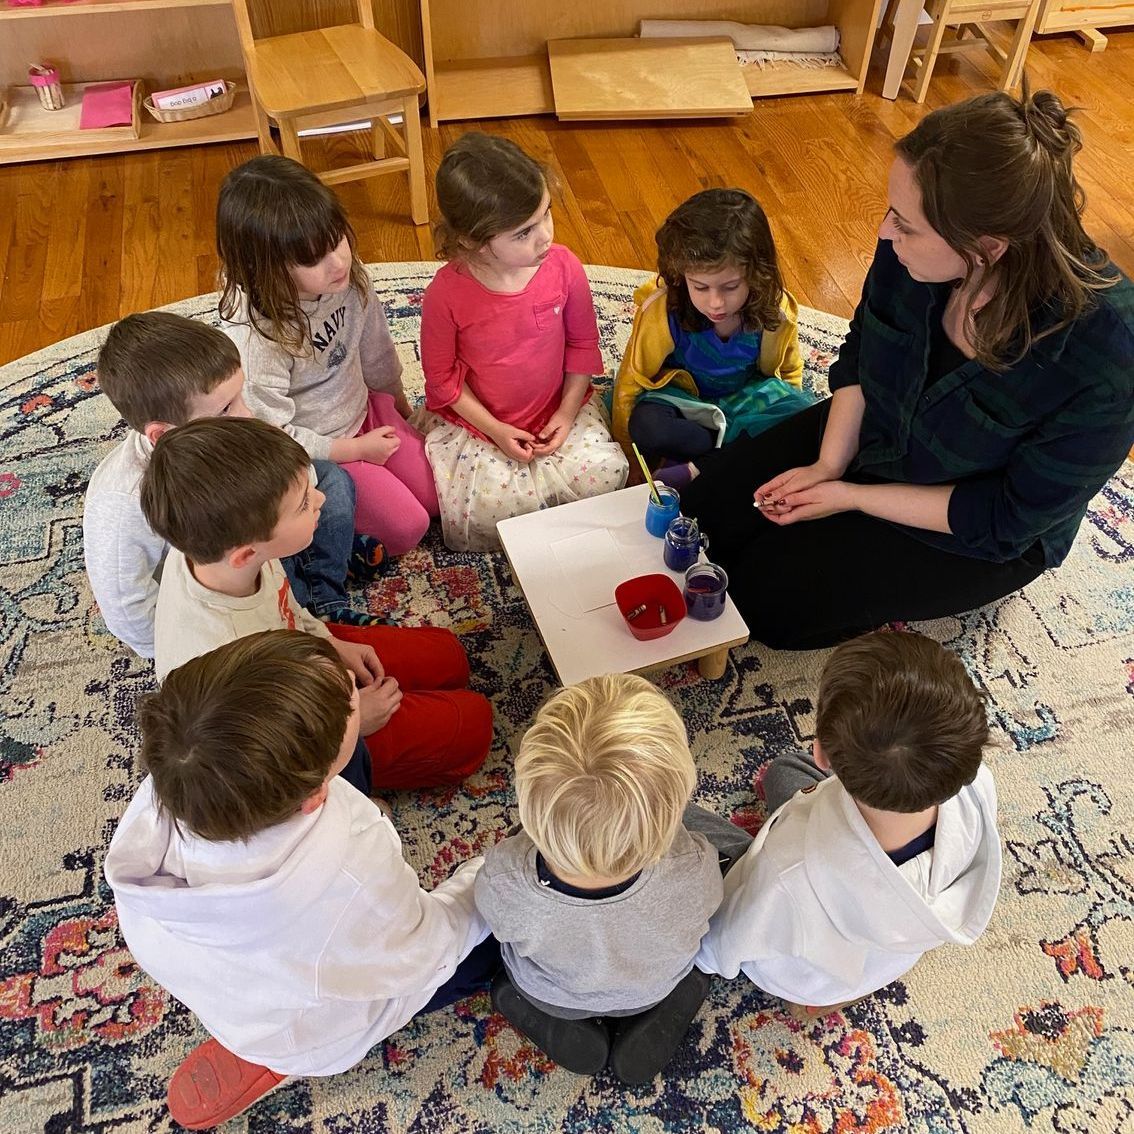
x,y
813,502
513,441
770,496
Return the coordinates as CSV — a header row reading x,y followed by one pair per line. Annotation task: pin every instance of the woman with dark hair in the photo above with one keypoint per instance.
x,y
983,395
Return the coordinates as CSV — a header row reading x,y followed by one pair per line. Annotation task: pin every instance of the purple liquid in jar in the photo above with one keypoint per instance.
x,y
682,544
705,586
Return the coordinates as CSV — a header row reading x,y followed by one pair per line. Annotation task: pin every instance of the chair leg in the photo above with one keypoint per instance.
x,y
411,118
377,138
289,138
929,59
1018,52
263,124
903,16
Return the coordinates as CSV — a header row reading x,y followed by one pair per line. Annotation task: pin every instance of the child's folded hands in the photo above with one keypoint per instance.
x,y
361,660
377,703
379,445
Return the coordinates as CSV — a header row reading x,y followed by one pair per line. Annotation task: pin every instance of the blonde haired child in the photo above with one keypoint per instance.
x,y
600,901
509,342
714,350
318,358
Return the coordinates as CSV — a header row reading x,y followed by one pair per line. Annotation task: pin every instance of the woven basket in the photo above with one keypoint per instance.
x,y
205,110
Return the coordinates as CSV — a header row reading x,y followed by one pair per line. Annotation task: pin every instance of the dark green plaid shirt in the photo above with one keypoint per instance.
x,y
1026,449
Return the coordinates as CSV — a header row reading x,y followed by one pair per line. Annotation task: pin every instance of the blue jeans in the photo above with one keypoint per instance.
x,y
318,573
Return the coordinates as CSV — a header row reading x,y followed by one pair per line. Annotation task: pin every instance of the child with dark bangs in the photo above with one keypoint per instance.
x,y
316,349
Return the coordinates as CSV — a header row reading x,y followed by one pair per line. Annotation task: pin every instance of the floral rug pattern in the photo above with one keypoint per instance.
x,y
1030,1029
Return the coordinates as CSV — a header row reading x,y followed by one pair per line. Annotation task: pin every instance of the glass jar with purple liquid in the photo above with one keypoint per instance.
x,y
682,544
705,587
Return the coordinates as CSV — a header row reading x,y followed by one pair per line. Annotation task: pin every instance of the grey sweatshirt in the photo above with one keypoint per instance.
x,y
613,955
321,395
122,553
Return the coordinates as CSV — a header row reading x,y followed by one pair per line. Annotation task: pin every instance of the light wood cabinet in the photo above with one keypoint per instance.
x,y
164,43
1084,17
488,58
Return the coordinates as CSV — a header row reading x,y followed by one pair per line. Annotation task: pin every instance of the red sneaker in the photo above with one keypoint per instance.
x,y
212,1085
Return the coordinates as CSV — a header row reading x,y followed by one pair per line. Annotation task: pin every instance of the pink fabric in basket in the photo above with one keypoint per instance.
x,y
107,104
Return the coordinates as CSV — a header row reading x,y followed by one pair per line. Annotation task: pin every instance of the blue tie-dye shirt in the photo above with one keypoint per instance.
x,y
719,366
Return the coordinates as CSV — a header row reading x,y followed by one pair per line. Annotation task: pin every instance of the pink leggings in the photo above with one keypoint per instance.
x,y
394,501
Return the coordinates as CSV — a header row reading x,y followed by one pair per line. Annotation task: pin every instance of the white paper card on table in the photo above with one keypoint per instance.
x,y
592,565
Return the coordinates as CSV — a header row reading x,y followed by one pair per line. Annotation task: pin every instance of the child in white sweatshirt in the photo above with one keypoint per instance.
x,y
267,894
881,847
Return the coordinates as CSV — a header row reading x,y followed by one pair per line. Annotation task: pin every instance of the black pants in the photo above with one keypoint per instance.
x,y
472,975
662,431
816,583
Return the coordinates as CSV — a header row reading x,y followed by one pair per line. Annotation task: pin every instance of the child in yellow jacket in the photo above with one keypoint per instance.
x,y
714,350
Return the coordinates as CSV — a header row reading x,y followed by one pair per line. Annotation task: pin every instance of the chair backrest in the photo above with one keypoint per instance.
x,y
260,19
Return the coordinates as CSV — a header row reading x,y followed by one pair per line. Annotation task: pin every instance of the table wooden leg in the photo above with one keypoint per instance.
x,y
1093,38
712,666
906,14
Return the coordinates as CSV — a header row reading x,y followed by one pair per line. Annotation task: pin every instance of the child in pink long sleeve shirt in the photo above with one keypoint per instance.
x,y
509,343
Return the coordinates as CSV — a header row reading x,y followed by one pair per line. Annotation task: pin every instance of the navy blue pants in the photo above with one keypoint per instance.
x,y
473,974
359,773
661,432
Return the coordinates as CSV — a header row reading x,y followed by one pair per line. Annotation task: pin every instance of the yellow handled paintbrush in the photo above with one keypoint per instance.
x,y
646,473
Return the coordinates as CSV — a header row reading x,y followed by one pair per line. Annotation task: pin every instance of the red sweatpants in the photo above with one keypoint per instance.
x,y
441,731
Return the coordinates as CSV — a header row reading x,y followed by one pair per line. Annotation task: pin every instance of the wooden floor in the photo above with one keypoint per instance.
x,y
85,241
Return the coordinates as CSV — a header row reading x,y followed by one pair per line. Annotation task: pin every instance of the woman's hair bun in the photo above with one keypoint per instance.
x,y
1049,123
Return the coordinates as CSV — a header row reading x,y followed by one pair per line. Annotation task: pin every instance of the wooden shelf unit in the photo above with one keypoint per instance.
x,y
33,134
1084,17
488,58
162,43
51,9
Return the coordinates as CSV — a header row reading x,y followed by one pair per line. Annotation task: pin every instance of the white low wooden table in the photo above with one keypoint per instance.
x,y
568,559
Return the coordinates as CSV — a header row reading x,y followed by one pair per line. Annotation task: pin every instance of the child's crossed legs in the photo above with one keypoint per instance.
x,y
394,501
441,731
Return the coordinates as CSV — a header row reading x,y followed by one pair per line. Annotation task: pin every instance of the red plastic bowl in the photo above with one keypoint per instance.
x,y
656,593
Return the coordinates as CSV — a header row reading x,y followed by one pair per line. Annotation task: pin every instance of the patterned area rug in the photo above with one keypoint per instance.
x,y
1033,1028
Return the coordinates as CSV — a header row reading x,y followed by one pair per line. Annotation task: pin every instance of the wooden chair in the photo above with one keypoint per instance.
x,y
968,19
307,68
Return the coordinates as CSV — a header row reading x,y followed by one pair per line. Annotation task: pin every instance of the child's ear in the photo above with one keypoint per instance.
x,y
820,757
155,430
241,556
314,801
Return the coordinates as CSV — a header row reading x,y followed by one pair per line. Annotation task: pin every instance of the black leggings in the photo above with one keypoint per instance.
x,y
819,582
662,431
